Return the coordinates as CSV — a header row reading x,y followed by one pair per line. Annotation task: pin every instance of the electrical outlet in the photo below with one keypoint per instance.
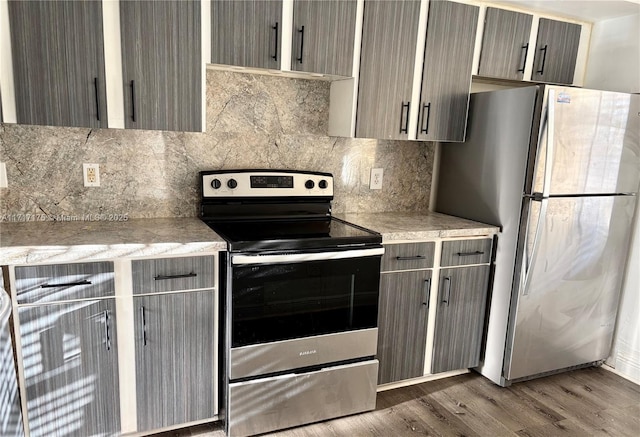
x,y
375,183
3,175
91,174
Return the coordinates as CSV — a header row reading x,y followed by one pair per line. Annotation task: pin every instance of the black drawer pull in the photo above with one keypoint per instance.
x,y
133,101
524,59
67,284
544,59
275,55
477,252
426,114
186,275
409,258
301,30
405,129
95,88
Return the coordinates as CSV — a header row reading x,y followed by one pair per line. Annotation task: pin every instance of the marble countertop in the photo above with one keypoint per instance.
x,y
55,241
418,226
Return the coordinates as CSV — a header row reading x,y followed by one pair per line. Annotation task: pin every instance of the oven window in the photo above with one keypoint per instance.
x,y
287,301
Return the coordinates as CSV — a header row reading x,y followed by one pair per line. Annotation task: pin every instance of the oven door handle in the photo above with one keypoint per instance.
x,y
303,257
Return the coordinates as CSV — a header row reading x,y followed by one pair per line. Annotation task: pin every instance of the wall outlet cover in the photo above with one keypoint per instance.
x,y
3,175
91,175
375,183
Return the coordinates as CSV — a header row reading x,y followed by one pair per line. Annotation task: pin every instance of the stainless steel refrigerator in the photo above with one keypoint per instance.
x,y
558,169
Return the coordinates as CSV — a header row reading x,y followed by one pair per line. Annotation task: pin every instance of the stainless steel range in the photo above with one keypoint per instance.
x,y
301,300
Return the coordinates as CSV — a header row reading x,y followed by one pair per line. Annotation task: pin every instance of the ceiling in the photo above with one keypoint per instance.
x,y
585,10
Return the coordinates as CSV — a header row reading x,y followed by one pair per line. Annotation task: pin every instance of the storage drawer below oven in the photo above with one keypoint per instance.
x,y
278,402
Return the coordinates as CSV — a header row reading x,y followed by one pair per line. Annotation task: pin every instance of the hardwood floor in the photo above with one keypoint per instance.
x,y
587,402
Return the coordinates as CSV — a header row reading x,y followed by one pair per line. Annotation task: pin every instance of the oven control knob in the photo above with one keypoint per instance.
x,y
309,184
232,183
215,184
323,184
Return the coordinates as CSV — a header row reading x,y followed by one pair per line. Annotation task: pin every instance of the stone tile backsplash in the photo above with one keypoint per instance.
x,y
253,121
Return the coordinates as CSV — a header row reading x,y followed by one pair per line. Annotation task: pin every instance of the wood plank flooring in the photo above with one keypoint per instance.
x,y
587,402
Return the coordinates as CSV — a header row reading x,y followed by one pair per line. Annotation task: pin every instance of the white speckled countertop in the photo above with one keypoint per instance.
x,y
54,242
418,226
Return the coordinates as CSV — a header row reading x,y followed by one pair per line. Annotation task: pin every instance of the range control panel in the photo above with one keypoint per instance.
x,y
265,183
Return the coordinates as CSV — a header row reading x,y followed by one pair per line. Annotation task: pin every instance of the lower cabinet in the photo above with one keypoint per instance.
x,y
70,360
174,352
462,297
402,324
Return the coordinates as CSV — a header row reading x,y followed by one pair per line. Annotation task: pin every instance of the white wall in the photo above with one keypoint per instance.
x,y
614,55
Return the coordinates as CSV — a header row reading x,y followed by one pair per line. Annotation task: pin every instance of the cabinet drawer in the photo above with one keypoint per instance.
x,y
61,282
465,252
407,256
171,274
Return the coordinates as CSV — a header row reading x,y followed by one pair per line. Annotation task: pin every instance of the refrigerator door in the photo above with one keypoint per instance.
x,y
570,286
592,143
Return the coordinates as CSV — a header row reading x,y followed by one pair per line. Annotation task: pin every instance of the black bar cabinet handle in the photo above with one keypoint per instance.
x,y
427,287
107,335
186,275
448,285
301,43
524,59
408,258
275,56
95,88
544,58
405,129
66,284
133,101
425,109
477,252
144,326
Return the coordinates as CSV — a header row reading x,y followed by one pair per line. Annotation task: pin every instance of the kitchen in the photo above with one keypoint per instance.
x,y
252,121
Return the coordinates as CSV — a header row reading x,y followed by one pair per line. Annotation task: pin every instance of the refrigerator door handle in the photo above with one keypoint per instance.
x,y
551,117
529,264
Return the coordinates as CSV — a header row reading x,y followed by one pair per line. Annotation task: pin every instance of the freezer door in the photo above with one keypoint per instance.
x,y
567,295
591,144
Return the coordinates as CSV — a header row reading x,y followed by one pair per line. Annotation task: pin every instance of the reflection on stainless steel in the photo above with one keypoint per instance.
x,y
566,315
284,401
561,251
261,359
10,415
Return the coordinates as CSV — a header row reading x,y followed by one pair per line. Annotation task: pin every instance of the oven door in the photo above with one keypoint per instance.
x,y
290,296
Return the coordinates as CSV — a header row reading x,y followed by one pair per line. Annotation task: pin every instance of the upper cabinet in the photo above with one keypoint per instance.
x,y
389,39
446,76
505,44
323,36
161,64
246,33
556,51
58,63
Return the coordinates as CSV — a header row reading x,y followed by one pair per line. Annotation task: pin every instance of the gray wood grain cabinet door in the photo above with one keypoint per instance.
x,y
402,324
161,64
323,36
389,39
462,297
58,63
246,33
556,51
70,360
446,76
174,358
505,44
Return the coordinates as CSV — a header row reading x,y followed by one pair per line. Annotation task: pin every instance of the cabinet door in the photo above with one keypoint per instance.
x,y
162,64
58,63
389,38
402,324
505,44
323,36
246,33
174,338
556,51
459,318
70,364
446,76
